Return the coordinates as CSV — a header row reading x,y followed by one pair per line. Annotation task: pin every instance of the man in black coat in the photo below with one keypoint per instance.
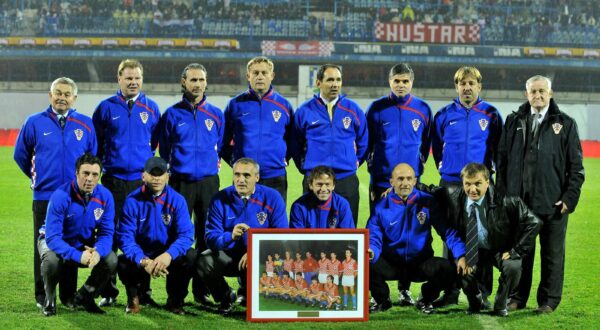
x,y
498,231
540,160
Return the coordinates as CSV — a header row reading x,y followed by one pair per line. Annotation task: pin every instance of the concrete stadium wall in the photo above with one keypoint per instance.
x,y
17,106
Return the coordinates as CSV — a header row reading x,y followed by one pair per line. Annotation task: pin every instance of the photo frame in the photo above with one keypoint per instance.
x,y
312,257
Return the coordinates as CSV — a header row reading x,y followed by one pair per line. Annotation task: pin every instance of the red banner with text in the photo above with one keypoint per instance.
x,y
428,33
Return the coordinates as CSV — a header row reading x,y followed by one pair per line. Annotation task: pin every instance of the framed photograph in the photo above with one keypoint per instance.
x,y
308,275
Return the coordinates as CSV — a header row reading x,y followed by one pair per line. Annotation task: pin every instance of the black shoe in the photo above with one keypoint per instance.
x,y
40,300
424,307
175,309
406,298
241,300
203,299
543,310
513,305
108,302
147,301
486,305
86,302
449,298
381,307
500,312
69,303
49,308
226,306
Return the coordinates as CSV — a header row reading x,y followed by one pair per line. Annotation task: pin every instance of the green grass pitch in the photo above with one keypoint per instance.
x,y
580,307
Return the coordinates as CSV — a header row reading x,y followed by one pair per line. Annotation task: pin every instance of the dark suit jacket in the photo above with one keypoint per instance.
x,y
511,225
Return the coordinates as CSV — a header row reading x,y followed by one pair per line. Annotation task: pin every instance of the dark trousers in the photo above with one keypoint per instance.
x,y
347,188
39,209
374,196
213,266
278,183
54,269
486,281
437,273
510,273
552,253
119,189
197,195
180,271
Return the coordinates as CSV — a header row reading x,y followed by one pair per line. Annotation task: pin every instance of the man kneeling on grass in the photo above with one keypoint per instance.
x,y
155,234
78,233
400,243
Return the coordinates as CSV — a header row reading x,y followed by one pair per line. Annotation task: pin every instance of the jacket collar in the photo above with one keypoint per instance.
x,y
188,105
254,94
78,195
400,100
461,106
525,109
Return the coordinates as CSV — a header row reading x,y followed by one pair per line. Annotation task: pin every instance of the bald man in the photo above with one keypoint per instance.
x,y
400,243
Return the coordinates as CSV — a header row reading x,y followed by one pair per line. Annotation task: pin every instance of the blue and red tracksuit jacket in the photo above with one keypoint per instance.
x,y
399,132
191,138
126,139
309,212
461,136
259,129
340,143
265,209
72,224
47,153
401,231
150,226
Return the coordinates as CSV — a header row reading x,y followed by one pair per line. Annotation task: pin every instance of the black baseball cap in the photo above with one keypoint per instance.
x,y
156,166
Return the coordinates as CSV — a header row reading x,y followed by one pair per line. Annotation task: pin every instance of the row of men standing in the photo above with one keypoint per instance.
x,y
329,129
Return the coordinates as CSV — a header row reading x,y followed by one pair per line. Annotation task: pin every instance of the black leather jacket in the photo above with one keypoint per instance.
x,y
512,227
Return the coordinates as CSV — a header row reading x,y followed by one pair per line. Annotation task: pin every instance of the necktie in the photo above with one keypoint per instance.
x,y
535,123
130,104
330,110
87,198
472,237
245,199
62,121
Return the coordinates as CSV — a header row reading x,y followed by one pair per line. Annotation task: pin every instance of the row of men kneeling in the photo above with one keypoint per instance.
x,y
155,234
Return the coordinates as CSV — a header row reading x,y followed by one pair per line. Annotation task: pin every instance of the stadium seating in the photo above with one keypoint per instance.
x,y
546,23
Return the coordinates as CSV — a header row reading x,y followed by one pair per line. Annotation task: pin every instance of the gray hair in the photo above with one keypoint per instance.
x,y
64,81
247,160
537,78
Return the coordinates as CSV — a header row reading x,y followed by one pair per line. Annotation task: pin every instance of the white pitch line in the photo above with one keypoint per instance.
x,y
489,322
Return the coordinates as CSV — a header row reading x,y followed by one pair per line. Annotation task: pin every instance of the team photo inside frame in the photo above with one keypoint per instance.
x,y
307,275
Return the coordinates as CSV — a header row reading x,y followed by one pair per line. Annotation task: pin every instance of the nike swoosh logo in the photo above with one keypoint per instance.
x,y
230,218
144,219
518,128
452,123
180,124
245,113
70,215
47,133
393,223
385,123
115,118
314,122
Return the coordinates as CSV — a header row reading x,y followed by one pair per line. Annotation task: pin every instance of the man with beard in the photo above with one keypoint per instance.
x,y
191,136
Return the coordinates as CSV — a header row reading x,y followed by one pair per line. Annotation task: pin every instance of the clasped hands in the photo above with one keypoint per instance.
x,y
89,257
157,267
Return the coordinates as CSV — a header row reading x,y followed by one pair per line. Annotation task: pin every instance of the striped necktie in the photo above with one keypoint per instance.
x,y
62,120
472,237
